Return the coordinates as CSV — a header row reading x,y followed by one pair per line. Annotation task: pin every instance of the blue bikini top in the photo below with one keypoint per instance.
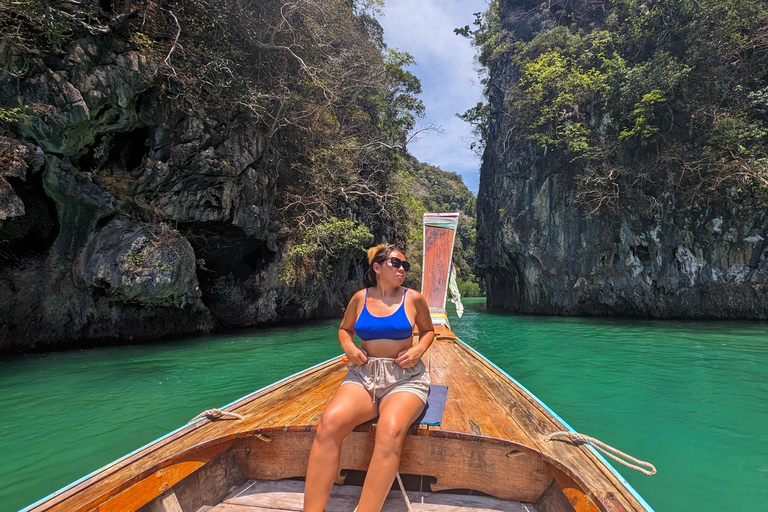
x,y
392,327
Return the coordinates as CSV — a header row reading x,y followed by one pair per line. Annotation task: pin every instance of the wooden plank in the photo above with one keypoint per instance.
x,y
211,483
443,333
459,464
485,467
166,502
307,408
285,456
288,495
203,489
275,409
574,493
138,493
226,507
553,500
503,470
495,418
453,503
469,406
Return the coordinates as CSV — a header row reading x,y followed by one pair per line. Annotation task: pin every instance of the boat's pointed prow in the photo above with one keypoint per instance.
x,y
439,236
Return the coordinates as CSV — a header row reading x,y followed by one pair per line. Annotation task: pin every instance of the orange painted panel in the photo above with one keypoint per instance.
x,y
438,246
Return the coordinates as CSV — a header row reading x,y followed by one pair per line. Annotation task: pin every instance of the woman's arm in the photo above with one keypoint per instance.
x,y
347,331
408,358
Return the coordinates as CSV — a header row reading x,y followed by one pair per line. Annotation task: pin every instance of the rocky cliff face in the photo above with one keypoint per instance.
x,y
543,254
125,215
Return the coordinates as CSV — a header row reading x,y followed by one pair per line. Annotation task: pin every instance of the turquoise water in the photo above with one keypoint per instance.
x,y
692,398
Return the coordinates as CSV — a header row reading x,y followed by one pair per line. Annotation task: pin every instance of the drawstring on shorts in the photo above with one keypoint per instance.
x,y
381,376
378,376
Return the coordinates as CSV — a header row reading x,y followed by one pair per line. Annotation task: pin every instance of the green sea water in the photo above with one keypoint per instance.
x,y
690,397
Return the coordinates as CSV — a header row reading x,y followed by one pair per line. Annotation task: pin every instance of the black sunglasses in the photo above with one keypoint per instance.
x,y
397,263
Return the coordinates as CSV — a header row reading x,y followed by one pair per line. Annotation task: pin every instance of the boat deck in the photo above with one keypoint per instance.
x,y
490,427
287,496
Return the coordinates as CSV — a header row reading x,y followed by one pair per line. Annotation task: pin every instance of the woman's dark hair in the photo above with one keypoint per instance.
x,y
378,254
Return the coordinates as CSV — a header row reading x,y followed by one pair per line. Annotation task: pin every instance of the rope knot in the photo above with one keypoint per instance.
x,y
646,469
217,414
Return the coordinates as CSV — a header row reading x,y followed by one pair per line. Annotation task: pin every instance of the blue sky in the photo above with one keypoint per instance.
x,y
446,66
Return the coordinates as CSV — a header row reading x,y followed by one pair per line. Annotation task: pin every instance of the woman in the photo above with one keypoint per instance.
x,y
386,378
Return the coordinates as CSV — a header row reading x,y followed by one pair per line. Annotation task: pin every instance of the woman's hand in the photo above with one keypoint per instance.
x,y
409,358
355,354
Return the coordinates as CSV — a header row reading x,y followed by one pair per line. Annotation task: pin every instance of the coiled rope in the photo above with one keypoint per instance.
x,y
608,450
217,414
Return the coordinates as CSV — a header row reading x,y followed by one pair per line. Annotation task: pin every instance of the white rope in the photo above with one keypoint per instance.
x,y
608,450
405,496
215,414
402,489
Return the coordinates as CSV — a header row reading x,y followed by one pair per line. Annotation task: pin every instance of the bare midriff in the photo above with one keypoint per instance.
x,y
386,347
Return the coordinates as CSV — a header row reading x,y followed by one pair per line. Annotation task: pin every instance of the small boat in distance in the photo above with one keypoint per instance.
x,y
492,449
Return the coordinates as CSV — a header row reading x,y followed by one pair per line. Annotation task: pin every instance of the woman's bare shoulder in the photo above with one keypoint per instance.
x,y
358,296
354,306
415,296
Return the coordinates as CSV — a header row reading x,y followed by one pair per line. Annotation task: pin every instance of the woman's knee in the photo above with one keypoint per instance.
x,y
332,426
390,434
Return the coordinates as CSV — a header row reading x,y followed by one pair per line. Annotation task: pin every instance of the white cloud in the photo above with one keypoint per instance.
x,y
446,67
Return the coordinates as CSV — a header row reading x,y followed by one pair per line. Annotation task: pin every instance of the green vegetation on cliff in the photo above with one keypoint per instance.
x,y
645,98
426,188
332,105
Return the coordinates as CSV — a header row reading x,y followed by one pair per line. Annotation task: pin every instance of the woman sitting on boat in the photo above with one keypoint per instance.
x,y
386,378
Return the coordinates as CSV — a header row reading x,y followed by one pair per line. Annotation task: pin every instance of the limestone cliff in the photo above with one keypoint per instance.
x,y
163,161
576,225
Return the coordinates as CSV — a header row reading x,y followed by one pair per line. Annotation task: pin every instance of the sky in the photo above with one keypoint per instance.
x,y
446,65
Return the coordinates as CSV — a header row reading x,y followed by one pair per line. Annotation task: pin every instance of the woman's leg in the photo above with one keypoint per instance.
x,y
350,407
396,414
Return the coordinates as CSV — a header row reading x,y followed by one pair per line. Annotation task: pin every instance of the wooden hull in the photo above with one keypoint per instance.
x,y
491,441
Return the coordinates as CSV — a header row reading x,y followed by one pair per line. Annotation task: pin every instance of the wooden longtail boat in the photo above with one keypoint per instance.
x,y
490,452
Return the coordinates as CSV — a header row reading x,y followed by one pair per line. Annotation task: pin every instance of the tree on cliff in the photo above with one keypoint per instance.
x,y
426,188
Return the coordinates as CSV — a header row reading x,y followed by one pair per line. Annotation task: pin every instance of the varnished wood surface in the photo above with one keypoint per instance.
x,y
483,407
